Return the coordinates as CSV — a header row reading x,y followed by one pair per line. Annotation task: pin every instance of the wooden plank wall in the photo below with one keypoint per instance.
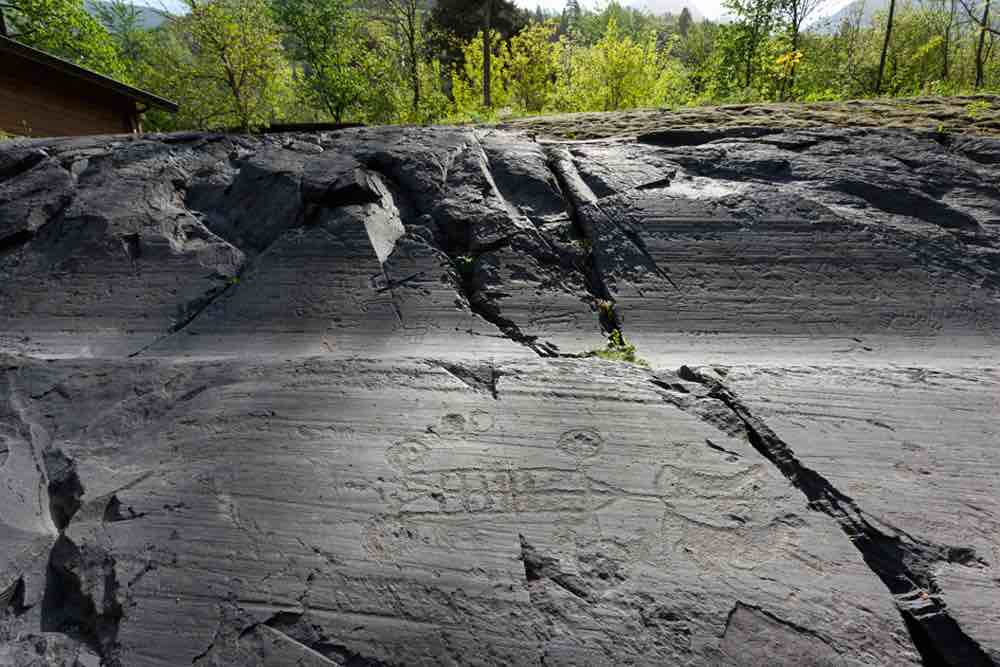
x,y
41,102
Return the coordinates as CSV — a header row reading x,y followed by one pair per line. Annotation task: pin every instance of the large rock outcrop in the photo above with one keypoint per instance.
x,y
323,399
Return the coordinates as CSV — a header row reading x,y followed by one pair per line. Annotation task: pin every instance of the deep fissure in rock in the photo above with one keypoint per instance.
x,y
81,598
14,241
295,626
560,163
455,242
64,487
902,562
538,566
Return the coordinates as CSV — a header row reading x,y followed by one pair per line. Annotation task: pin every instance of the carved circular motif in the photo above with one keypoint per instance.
x,y
581,443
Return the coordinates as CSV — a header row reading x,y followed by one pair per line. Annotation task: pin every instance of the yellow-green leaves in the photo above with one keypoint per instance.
x,y
224,64
531,67
64,28
619,73
467,84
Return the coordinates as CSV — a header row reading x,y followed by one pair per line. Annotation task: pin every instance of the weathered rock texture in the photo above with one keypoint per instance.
x,y
322,400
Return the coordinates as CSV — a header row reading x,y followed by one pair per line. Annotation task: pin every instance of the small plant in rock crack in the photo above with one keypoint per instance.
x,y
618,349
975,110
463,264
606,312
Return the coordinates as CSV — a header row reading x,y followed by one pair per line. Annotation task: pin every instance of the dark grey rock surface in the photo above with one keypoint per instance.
x,y
323,400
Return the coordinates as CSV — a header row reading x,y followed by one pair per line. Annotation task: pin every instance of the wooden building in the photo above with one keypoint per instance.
x,y
45,96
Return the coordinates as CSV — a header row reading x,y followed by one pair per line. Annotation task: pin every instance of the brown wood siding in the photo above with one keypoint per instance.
x,y
41,102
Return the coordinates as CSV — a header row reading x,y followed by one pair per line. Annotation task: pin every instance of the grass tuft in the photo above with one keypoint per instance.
x,y
618,349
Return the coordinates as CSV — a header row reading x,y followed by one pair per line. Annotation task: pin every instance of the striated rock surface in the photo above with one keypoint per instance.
x,y
324,400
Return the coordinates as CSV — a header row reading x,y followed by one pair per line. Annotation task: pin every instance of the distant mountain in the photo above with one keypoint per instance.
x,y
149,18
869,8
667,7
657,7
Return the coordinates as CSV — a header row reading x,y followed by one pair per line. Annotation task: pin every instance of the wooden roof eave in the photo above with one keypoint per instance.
x,y
8,45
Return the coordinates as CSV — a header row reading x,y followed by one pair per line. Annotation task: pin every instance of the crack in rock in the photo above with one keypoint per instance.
x,y
64,487
113,511
903,563
755,636
17,161
538,566
13,242
481,378
12,597
615,250
677,138
81,598
294,627
191,312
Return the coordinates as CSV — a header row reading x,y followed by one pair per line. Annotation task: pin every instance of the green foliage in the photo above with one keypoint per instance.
x,y
451,24
248,63
531,67
325,36
618,349
975,110
463,265
224,64
467,82
617,73
123,22
64,28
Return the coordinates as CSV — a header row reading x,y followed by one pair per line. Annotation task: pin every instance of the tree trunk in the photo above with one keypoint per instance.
x,y
795,50
414,64
946,46
488,57
3,24
885,48
751,50
790,83
982,43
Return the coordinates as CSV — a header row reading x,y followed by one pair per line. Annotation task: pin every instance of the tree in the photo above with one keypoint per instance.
x,y
795,13
123,21
452,24
684,22
224,63
885,48
616,73
63,28
325,36
754,19
946,35
487,54
983,28
531,69
405,19
572,14
467,82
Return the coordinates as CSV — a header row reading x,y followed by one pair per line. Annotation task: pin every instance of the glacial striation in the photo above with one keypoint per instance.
x,y
331,399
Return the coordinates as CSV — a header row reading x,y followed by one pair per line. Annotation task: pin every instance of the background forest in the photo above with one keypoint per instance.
x,y
251,63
